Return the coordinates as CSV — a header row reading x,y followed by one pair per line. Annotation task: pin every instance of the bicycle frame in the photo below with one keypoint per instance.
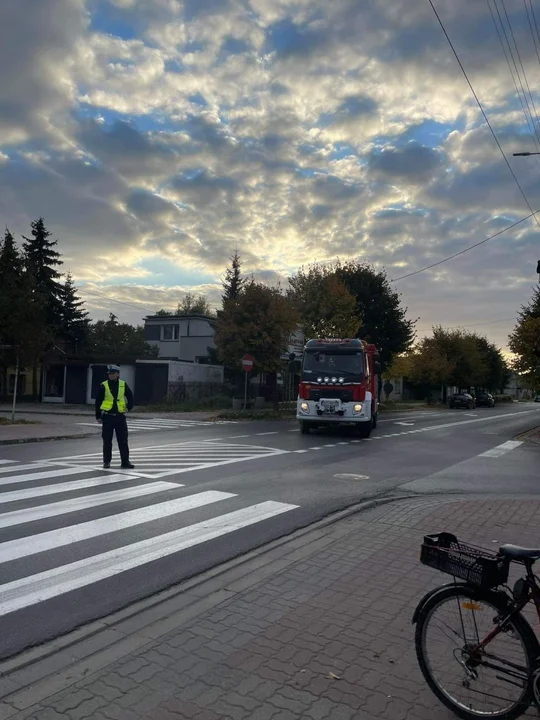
x,y
529,591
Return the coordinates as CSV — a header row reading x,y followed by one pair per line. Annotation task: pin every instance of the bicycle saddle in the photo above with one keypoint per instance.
x,y
515,552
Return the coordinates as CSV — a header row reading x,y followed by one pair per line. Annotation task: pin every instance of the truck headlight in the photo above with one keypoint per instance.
x,y
304,407
357,408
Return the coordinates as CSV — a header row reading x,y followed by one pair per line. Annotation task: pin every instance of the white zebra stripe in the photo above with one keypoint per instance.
x,y
23,547
45,585
18,517
42,490
41,475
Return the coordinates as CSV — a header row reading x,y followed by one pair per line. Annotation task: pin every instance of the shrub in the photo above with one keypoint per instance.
x,y
504,398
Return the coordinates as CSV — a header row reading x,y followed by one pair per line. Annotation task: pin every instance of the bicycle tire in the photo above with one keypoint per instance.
x,y
520,626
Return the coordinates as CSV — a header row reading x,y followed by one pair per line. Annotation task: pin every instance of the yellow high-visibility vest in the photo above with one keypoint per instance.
x,y
108,400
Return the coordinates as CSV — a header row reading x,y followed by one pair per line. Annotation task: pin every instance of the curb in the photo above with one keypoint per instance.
x,y
527,436
22,441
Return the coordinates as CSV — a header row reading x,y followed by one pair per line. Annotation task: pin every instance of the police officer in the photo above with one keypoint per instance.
x,y
113,400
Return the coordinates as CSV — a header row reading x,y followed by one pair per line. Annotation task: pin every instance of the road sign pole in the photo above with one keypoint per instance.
x,y
247,366
15,390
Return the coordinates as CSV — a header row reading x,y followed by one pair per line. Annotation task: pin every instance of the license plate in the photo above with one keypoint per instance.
x,y
330,407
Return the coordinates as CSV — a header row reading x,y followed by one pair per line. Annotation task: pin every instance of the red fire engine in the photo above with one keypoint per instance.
x,y
338,384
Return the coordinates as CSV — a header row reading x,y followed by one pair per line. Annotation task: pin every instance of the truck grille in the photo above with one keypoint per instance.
x,y
334,394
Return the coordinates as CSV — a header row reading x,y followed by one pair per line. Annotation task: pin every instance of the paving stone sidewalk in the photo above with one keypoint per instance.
x,y
330,637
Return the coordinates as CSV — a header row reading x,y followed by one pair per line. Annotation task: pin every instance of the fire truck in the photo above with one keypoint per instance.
x,y
338,385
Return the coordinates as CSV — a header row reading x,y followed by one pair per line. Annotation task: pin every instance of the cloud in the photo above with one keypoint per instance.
x,y
412,163
296,130
35,51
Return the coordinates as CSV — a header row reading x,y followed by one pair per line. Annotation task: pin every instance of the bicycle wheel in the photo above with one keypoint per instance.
x,y
492,683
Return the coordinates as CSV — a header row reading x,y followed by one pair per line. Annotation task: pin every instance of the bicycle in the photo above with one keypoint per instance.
x,y
495,654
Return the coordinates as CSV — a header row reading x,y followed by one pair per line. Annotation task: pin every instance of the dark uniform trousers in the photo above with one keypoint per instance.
x,y
115,424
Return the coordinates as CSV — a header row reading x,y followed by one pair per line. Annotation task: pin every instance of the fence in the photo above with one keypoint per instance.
x,y
213,395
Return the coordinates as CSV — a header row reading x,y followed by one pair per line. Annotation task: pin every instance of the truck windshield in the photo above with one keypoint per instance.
x,y
347,365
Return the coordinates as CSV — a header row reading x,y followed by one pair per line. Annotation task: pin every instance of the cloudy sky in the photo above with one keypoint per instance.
x,y
155,136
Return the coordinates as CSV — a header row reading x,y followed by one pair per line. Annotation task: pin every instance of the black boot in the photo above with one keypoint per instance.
x,y
128,465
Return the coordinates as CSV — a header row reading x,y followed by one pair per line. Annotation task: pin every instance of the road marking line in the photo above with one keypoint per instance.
x,y
330,445
300,451
295,430
28,477
476,420
23,547
501,449
6,462
459,422
404,423
41,490
342,443
315,448
274,432
19,517
57,581
235,437
30,466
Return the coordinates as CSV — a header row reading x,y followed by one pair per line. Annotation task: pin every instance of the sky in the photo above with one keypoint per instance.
x,y
157,136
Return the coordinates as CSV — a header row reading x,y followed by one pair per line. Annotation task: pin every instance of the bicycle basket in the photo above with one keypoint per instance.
x,y
477,566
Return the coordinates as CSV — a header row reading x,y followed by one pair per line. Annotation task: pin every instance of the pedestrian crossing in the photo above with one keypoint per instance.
x,y
62,535
136,424
158,461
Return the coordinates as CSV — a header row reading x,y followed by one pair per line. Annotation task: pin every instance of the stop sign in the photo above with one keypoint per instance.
x,y
247,363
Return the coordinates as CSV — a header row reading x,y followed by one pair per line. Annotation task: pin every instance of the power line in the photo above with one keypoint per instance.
x,y
471,247
535,23
528,119
521,64
481,324
534,37
482,110
109,299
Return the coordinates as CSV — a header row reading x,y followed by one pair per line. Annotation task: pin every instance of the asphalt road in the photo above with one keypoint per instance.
x,y
77,542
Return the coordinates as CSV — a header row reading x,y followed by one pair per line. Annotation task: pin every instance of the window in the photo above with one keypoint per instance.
x,y
169,332
54,381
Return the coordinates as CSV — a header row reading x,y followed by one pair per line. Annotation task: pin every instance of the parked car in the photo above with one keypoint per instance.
x,y
537,398
485,400
462,400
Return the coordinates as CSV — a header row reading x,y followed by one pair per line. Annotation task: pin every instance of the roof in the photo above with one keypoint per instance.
x,y
196,316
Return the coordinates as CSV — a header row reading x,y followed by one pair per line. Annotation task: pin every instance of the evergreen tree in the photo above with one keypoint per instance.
x,y
532,309
22,319
42,260
11,290
75,319
233,281
524,341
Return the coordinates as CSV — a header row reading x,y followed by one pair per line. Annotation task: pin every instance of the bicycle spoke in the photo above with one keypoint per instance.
x,y
488,681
